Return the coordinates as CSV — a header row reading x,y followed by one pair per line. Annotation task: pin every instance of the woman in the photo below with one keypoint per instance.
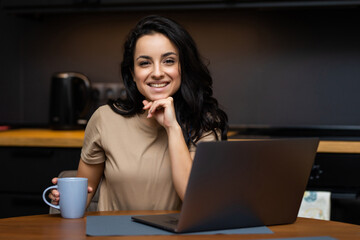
x,y
142,147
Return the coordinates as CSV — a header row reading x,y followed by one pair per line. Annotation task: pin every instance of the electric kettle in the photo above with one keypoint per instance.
x,y
70,100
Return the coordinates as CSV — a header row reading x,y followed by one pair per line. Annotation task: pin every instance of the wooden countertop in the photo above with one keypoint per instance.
x,y
41,138
339,147
74,138
325,146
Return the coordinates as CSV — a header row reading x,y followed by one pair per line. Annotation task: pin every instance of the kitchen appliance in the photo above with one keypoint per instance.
x,y
70,100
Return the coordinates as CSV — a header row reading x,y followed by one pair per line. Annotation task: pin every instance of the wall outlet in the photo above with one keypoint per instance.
x,y
102,92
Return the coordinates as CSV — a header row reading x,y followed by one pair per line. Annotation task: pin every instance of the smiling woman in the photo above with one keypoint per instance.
x,y
142,147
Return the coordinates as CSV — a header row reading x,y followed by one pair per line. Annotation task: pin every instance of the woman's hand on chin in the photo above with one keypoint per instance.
x,y
163,111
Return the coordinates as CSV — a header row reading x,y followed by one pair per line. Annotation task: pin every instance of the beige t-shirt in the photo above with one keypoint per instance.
x,y
137,173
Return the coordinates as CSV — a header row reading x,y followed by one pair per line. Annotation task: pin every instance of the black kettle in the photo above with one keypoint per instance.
x,y
70,101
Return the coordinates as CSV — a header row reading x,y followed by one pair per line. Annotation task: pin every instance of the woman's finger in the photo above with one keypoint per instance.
x,y
54,180
54,195
155,106
147,104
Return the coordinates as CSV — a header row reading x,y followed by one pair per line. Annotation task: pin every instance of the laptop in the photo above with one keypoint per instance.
x,y
247,183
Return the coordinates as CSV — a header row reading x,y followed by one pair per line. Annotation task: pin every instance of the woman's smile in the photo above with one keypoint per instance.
x,y
158,85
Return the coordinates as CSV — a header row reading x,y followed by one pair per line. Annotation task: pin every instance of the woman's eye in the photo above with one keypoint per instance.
x,y
169,61
144,63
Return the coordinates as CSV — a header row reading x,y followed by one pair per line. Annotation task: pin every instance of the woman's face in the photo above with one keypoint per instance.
x,y
156,67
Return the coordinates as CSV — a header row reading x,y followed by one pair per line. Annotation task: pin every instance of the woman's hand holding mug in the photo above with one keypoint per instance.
x,y
54,194
73,191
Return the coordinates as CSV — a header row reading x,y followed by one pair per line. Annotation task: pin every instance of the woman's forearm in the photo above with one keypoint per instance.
x,y
93,172
181,160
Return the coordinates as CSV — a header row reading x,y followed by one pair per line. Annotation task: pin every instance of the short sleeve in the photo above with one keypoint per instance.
x,y
92,151
206,137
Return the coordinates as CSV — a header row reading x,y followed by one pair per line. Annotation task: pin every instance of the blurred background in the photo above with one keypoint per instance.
x,y
280,68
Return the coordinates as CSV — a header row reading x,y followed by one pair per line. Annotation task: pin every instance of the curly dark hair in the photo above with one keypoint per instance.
x,y
197,111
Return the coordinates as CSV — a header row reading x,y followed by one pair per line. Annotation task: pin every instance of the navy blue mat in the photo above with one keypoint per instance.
x,y
122,225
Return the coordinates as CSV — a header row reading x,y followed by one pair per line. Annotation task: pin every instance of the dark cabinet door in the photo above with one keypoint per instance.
x,y
26,172
21,204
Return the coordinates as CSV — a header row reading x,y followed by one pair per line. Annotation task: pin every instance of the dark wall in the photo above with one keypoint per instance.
x,y
11,79
275,67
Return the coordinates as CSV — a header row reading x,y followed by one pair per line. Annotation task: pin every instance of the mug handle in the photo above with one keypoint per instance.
x,y
46,201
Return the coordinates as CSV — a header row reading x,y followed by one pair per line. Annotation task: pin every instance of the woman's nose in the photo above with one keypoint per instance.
x,y
157,72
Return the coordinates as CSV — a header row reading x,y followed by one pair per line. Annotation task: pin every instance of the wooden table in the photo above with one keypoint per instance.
x,y
54,227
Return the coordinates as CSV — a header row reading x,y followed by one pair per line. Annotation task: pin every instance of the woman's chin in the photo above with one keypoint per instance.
x,y
155,98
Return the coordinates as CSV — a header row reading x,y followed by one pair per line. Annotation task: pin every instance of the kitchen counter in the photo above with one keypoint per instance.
x,y
42,138
74,138
325,146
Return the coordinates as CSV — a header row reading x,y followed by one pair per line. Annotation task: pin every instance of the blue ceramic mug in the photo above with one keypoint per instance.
x,y
73,195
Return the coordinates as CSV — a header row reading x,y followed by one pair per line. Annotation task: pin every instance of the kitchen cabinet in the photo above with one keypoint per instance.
x,y
339,174
26,172
60,6
30,158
